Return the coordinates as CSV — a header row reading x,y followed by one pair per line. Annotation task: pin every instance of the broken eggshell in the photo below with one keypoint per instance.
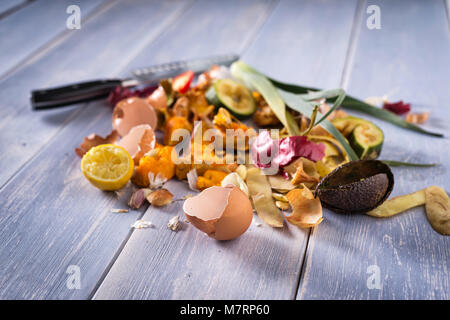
x,y
94,140
223,213
131,112
140,140
158,99
356,187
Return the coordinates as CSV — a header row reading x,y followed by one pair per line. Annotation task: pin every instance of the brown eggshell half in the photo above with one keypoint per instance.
x,y
223,213
131,112
140,140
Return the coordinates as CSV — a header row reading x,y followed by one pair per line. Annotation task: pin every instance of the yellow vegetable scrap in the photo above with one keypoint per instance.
x,y
398,204
210,178
263,202
279,197
303,170
264,116
208,161
157,167
282,205
304,124
241,170
279,183
224,121
182,169
173,124
236,180
322,169
198,104
437,207
181,107
306,210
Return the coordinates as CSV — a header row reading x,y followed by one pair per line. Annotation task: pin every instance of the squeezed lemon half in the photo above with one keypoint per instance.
x,y
107,166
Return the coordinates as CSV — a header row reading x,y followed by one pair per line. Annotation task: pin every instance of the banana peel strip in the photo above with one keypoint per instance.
x,y
399,204
277,182
437,207
306,210
261,195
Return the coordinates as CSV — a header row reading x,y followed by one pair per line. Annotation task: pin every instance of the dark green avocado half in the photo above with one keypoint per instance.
x,y
356,187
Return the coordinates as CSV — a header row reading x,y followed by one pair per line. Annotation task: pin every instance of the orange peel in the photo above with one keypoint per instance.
x,y
155,168
306,210
210,178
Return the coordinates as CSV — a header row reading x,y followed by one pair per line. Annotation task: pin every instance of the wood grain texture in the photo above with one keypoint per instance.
x,y
100,49
30,28
50,216
63,240
8,5
307,44
408,58
264,263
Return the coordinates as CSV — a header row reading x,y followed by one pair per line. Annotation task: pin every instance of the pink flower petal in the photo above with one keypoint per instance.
x,y
267,152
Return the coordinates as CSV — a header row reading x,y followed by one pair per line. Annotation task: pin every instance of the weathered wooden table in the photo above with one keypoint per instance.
x,y
53,223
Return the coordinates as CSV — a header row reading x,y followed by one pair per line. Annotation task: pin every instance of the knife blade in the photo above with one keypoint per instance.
x,y
42,99
171,69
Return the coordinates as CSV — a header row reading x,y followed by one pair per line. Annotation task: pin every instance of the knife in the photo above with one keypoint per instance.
x,y
42,99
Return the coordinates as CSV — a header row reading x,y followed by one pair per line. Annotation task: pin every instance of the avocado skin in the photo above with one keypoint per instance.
x,y
366,184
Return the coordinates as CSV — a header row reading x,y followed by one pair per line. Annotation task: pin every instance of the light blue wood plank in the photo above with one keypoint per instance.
x,y
6,5
100,49
408,56
309,44
30,28
264,263
51,217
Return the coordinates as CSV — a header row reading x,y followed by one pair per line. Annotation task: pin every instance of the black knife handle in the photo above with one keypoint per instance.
x,y
73,93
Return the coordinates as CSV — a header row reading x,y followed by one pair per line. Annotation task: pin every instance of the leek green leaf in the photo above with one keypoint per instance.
x,y
394,163
326,94
295,102
358,105
304,104
258,81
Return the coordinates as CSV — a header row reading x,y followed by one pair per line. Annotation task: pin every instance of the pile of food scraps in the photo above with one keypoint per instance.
x,y
248,143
